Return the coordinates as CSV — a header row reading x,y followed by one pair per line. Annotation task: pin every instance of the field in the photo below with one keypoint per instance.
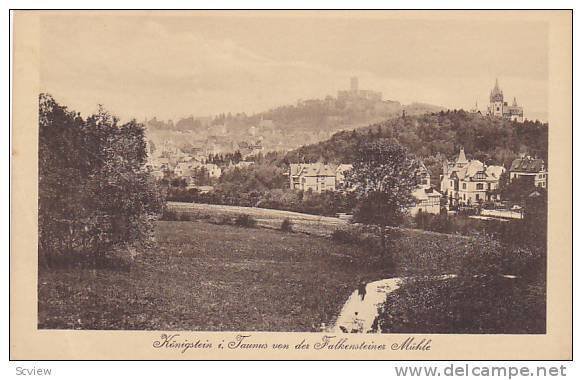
x,y
266,218
205,275
211,277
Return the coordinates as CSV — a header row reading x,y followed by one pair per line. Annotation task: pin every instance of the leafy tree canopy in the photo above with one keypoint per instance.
x,y
383,177
94,191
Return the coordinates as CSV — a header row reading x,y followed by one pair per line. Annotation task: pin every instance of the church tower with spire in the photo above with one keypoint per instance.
x,y
496,101
498,107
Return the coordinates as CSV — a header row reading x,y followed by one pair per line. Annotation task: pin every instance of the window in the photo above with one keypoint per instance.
x,y
464,186
476,197
451,183
479,187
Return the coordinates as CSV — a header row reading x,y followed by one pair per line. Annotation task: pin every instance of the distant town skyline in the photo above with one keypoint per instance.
x,y
172,65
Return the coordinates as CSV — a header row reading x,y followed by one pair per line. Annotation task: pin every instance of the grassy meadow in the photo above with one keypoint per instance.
x,y
209,275
204,276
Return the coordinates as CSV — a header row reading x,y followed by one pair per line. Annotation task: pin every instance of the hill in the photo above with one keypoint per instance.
x,y
435,136
278,129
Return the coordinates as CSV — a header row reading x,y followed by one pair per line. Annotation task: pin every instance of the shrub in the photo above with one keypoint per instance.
x,y
176,216
345,237
287,225
433,305
360,238
169,215
224,220
184,217
245,220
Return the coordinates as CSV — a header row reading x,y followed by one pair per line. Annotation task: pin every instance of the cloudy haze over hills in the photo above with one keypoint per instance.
x,y
171,66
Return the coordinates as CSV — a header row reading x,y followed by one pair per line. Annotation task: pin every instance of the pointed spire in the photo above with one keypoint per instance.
x,y
462,159
514,102
496,93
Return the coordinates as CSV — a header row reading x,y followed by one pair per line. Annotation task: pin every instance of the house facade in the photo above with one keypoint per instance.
x,y
533,168
340,173
469,182
428,199
317,177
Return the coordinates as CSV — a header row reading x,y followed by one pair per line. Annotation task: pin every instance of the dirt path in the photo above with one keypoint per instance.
x,y
361,308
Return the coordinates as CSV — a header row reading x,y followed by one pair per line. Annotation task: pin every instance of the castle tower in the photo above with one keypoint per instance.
x,y
496,101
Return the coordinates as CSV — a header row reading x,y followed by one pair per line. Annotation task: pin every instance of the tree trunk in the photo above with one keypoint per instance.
x,y
383,239
385,251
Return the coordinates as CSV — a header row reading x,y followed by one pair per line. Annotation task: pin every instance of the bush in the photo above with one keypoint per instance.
x,y
474,305
345,237
357,237
169,215
245,220
287,225
175,216
184,217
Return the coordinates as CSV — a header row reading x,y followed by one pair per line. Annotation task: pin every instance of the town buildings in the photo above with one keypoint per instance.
x,y
428,199
188,169
317,177
532,168
250,148
500,108
469,182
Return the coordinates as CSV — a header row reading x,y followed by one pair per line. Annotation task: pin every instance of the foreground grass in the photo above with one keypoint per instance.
x,y
206,276
212,277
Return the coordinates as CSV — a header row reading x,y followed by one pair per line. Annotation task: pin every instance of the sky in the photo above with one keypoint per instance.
x,y
173,65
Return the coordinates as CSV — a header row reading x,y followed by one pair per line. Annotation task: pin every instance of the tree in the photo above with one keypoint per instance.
x,y
383,177
516,189
536,217
95,193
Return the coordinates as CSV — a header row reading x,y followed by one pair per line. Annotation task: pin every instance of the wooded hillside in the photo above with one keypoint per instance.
x,y
435,136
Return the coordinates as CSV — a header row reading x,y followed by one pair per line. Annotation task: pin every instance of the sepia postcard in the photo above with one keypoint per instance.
x,y
322,185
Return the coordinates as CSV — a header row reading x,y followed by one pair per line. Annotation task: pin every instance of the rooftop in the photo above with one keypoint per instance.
x,y
527,164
